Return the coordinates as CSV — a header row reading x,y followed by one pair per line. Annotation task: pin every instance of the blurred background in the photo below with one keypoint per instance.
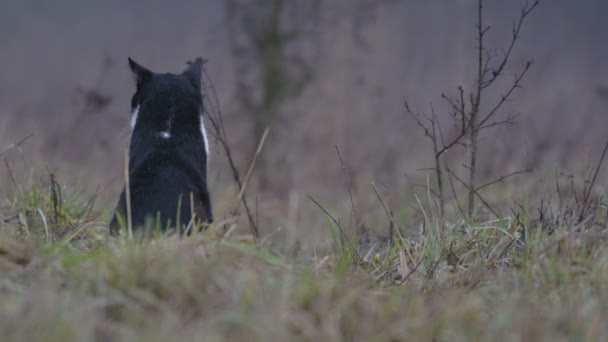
x,y
320,74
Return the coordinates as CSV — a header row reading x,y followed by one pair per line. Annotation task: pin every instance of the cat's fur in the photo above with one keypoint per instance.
x,y
168,152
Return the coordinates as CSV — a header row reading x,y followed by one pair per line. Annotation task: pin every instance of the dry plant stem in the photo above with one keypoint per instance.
x,y
476,193
414,269
192,214
241,194
445,162
11,175
220,133
16,145
472,135
592,183
558,190
55,201
472,168
388,212
431,133
353,209
503,178
252,164
334,221
438,168
128,196
449,172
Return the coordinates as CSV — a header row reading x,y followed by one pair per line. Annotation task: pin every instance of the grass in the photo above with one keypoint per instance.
x,y
514,278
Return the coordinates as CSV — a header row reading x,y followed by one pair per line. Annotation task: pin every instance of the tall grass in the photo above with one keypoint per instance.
x,y
518,278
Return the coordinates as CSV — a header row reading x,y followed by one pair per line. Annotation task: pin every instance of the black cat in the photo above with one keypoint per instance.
x,y
168,152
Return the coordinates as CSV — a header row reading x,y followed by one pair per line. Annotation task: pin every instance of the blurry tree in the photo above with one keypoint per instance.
x,y
264,35
276,44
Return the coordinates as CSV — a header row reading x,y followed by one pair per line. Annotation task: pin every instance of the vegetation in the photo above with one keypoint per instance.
x,y
522,277
516,271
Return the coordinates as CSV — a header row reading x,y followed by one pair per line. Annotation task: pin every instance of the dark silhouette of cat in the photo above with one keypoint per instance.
x,y
168,152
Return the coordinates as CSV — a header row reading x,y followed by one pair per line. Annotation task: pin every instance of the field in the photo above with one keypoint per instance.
x,y
521,277
424,171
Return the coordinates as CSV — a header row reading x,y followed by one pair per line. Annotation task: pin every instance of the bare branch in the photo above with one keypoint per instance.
x,y
426,130
455,141
216,118
509,120
438,169
503,178
449,176
477,194
454,189
525,11
455,106
505,98
463,115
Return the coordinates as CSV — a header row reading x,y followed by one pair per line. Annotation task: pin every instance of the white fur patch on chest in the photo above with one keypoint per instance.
x,y
134,114
204,134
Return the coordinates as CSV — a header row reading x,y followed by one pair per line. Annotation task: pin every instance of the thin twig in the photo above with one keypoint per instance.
x,y
239,197
220,132
16,145
407,276
503,178
331,217
353,208
388,212
10,174
350,193
510,120
447,168
476,193
460,209
252,164
597,170
438,169
527,8
504,98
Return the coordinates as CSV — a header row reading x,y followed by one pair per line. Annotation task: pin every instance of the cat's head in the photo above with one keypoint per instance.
x,y
167,105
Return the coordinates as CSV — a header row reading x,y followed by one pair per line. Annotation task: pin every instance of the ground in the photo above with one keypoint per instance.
x,y
520,277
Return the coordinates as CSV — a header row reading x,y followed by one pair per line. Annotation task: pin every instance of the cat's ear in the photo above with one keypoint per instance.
x,y
141,74
193,72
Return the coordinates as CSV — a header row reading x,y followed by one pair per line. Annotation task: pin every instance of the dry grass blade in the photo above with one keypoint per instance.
x,y
353,208
241,194
128,196
334,220
249,173
386,210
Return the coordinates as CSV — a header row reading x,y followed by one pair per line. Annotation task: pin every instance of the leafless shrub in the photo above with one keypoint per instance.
x,y
470,118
